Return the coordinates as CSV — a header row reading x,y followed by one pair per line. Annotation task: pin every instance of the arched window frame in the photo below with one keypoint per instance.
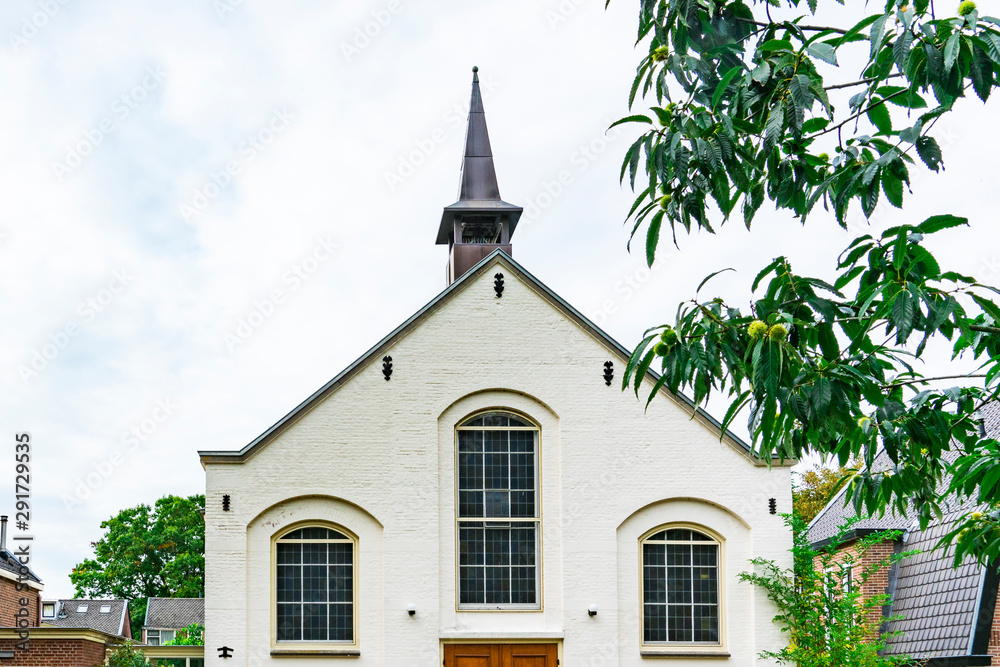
x,y
315,645
687,646
533,426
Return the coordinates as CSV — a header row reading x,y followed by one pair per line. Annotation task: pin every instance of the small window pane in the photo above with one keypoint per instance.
x,y
679,623
472,585
289,553
678,534
341,623
314,627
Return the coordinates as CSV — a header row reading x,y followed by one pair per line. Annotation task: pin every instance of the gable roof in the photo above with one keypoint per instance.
x,y
496,257
174,613
111,622
9,563
947,611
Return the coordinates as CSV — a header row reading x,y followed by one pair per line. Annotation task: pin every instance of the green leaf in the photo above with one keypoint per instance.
x,y
878,114
815,125
653,236
936,223
878,28
709,277
776,45
951,51
823,51
901,49
893,188
903,315
761,73
930,153
632,119
720,90
988,307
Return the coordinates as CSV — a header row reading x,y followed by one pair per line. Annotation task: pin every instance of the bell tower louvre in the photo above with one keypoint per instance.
x,y
479,222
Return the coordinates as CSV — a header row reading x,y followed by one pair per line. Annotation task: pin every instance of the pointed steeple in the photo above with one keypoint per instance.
x,y
479,176
479,222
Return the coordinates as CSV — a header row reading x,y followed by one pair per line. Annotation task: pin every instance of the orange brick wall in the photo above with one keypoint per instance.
x,y
878,584
10,603
994,649
57,653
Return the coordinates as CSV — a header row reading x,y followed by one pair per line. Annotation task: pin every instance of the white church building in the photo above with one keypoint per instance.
x,y
477,491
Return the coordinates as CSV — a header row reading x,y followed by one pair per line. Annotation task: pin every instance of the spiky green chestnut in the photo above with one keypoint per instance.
x,y
665,201
966,8
668,337
660,54
777,333
757,329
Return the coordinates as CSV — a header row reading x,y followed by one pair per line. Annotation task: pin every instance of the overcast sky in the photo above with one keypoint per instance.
x,y
168,169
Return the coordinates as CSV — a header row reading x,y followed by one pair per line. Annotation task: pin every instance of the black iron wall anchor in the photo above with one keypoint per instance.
x,y
387,367
225,652
225,503
498,284
772,505
609,372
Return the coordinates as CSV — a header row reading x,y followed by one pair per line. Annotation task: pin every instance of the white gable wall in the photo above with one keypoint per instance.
x,y
378,458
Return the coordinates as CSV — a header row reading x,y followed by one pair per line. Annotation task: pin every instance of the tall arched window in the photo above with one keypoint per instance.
x,y
681,587
499,539
314,586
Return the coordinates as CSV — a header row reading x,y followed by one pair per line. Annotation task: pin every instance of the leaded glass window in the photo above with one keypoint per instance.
x,y
315,586
498,512
680,588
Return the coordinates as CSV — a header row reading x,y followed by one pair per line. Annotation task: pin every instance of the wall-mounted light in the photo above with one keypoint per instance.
x,y
593,610
412,609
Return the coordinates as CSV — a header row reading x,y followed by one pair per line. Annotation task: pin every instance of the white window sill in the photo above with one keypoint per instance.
x,y
315,653
675,653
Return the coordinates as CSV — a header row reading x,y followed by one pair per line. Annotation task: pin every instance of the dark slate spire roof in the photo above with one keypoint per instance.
x,y
478,191
479,176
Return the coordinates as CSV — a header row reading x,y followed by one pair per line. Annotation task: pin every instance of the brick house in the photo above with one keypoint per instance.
x,y
70,641
165,617
476,489
948,613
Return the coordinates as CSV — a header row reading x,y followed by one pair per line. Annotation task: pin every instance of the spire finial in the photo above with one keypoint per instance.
x,y
475,74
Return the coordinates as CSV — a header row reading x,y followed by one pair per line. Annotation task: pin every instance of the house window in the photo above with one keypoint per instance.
x,y
499,539
159,636
48,610
315,592
680,588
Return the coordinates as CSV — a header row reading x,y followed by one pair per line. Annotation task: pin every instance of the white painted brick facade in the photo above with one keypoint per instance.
x,y
378,458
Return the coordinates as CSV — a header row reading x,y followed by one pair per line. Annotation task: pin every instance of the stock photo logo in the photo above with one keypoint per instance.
x,y
88,310
220,179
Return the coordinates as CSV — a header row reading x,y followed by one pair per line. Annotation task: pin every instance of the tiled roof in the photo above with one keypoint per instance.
x,y
68,615
10,564
175,612
939,603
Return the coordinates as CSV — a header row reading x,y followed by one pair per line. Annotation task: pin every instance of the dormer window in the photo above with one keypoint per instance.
x,y
82,609
48,610
105,609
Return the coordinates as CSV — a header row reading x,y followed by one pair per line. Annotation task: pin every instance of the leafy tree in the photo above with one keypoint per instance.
x,y
815,488
742,110
828,623
125,655
147,552
192,635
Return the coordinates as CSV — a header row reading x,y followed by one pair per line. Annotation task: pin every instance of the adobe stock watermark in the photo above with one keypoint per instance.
x,y
264,308
131,440
33,24
584,156
121,108
562,12
454,117
225,7
219,180
88,310
364,35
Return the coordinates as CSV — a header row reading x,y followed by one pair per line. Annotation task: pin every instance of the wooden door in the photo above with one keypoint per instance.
x,y
529,655
500,655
